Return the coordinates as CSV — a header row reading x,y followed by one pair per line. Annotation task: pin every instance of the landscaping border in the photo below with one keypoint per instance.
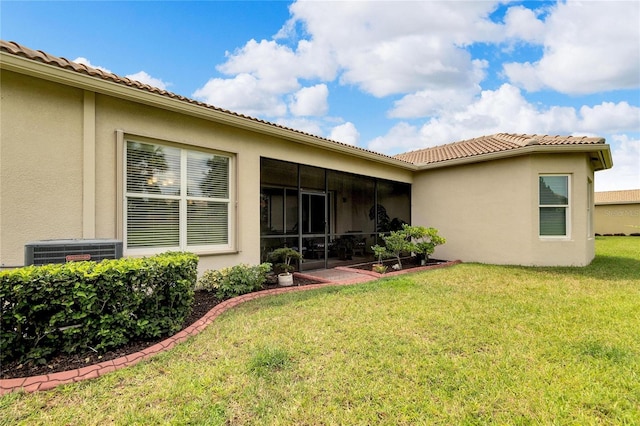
x,y
50,381
401,271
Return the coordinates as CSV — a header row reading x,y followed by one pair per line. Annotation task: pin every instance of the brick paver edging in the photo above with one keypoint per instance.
x,y
50,381
400,272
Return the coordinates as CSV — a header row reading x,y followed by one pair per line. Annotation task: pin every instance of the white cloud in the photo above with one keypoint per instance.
x,y
403,137
279,67
267,62
244,94
85,61
383,48
310,101
610,118
345,133
625,173
503,110
272,61
589,47
408,64
524,75
263,73
140,76
523,24
425,103
346,25
305,125
145,78
399,47
506,110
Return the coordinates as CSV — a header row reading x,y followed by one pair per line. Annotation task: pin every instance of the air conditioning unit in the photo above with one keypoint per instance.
x,y
62,251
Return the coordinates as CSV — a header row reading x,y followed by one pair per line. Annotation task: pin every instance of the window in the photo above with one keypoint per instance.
x,y
176,199
554,206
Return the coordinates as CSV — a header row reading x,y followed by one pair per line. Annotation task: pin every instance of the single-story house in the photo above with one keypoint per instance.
x,y
87,154
617,212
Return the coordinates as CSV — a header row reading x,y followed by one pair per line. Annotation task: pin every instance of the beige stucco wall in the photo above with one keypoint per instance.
x,y
69,138
40,164
488,212
617,218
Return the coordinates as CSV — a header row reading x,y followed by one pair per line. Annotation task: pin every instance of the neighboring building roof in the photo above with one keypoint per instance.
x,y
629,196
491,145
484,148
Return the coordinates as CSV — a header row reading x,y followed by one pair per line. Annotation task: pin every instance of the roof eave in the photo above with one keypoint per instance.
x,y
600,155
67,77
604,157
610,203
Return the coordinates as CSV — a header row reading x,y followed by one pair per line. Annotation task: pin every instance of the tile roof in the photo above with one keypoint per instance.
x,y
17,49
618,197
471,149
498,142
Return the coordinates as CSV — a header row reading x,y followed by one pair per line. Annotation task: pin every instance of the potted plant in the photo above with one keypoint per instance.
x,y
282,258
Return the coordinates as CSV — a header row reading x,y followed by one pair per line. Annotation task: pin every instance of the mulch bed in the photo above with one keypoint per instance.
x,y
407,263
203,302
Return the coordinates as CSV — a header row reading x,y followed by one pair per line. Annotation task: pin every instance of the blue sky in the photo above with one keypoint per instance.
x,y
386,76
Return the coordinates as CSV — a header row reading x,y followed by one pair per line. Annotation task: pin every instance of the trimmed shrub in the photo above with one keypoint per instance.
x,y
234,281
418,239
425,240
65,308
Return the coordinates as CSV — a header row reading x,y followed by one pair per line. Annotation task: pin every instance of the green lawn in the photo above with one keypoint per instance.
x,y
470,344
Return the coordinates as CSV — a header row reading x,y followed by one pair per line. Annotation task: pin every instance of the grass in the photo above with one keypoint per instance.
x,y
471,344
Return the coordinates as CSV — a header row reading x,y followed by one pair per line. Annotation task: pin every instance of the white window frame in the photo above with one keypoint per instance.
x,y
567,208
183,199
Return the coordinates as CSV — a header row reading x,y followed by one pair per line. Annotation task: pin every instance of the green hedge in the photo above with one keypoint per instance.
x,y
80,306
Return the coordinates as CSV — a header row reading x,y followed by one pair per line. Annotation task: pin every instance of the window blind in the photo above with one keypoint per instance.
x,y
176,197
553,205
